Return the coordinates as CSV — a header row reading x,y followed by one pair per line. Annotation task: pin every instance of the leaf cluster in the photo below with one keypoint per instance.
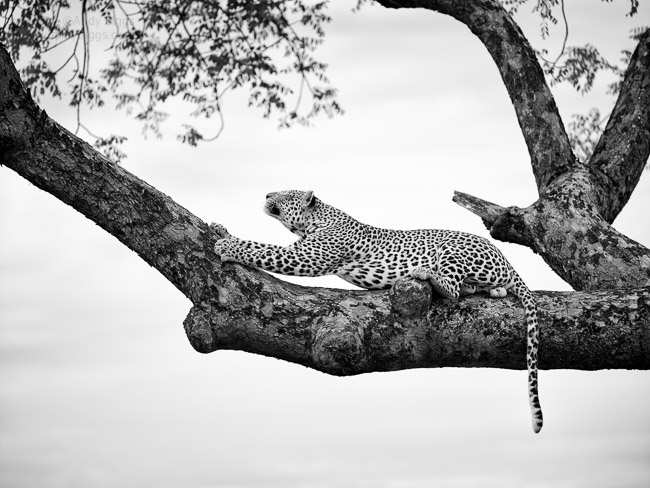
x,y
200,50
193,50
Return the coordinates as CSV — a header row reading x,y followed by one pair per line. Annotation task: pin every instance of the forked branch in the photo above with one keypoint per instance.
x,y
623,149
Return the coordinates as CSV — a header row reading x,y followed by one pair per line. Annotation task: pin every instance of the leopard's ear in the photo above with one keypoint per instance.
x,y
309,199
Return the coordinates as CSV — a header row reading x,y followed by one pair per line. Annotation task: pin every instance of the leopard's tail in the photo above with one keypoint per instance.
x,y
521,291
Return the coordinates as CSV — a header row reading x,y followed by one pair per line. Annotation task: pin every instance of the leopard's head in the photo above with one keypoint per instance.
x,y
293,208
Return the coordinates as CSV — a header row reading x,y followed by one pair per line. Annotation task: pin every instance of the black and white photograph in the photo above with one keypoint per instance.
x,y
324,244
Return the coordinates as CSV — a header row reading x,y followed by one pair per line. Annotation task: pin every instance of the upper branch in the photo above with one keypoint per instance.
x,y
623,149
539,118
163,233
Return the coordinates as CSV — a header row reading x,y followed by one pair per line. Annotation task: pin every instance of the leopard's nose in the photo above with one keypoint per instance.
x,y
270,195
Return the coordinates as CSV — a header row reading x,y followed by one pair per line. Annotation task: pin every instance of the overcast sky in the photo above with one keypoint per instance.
x,y
100,388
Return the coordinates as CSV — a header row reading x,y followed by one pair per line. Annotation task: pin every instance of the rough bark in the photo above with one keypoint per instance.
x,y
566,230
336,331
570,224
622,151
345,333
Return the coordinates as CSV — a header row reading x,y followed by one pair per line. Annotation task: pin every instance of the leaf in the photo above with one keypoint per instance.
x,y
584,132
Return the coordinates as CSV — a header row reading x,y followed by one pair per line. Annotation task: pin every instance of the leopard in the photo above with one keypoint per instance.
x,y
331,242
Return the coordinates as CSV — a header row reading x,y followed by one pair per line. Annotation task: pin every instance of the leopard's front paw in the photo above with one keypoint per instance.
x,y
227,249
226,246
220,230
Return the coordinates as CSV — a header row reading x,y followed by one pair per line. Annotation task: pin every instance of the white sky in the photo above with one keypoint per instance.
x,y
100,388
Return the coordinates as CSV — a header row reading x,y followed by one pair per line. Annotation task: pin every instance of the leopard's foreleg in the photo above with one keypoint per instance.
x,y
298,259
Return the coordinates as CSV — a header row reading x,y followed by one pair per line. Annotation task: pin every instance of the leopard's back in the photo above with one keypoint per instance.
x,y
380,257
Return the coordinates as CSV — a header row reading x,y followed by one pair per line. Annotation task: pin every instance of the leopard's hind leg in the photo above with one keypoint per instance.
x,y
447,276
444,285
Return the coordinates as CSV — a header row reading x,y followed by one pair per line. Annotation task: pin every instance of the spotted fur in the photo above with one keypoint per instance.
x,y
331,242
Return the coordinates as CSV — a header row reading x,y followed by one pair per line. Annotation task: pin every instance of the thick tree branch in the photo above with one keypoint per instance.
x,y
336,331
344,332
623,149
539,118
163,233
